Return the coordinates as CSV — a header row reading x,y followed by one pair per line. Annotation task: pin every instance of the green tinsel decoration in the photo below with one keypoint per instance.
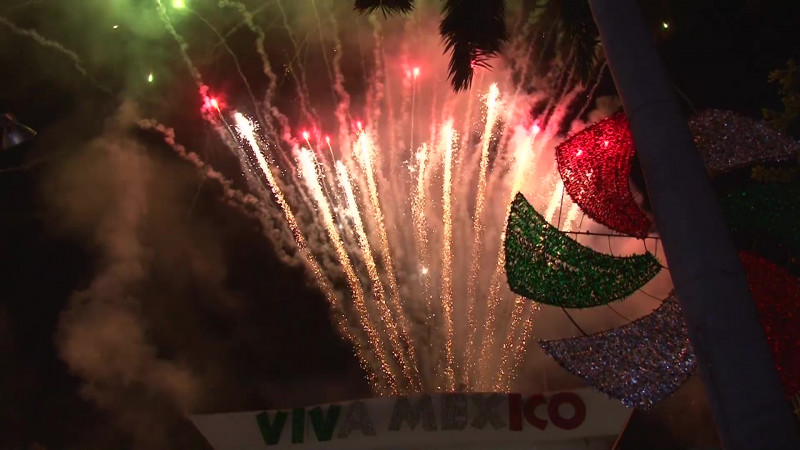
x,y
767,210
547,266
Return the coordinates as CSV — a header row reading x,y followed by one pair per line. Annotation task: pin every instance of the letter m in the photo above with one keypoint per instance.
x,y
405,412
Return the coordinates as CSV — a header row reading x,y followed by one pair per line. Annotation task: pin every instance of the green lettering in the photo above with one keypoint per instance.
x,y
324,424
298,425
271,432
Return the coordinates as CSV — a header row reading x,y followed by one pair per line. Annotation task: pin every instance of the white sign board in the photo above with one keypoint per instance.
x,y
458,420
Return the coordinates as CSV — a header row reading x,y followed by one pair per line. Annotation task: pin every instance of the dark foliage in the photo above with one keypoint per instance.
x,y
385,6
473,31
580,35
564,30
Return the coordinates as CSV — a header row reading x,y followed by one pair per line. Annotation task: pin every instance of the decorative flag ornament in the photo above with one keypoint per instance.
x,y
595,165
765,210
727,141
14,133
640,363
547,266
777,296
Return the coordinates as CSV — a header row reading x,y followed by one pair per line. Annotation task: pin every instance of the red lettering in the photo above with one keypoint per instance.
x,y
515,412
554,412
529,410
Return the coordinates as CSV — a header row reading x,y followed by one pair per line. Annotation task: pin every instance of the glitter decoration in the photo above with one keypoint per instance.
x,y
777,296
727,141
547,266
595,165
766,210
640,363
405,411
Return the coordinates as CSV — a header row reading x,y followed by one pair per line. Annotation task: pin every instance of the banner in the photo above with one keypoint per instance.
x,y
459,420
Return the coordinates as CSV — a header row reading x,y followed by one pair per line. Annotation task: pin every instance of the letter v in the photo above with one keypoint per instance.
x,y
271,432
324,425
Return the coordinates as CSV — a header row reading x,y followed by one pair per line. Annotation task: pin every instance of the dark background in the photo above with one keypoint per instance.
x,y
269,342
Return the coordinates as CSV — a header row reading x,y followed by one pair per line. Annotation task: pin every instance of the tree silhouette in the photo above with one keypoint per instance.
x,y
474,31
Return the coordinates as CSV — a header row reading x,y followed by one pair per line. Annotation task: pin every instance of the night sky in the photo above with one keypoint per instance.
x,y
215,322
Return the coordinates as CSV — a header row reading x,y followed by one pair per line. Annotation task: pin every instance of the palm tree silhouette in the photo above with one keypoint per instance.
x,y
474,31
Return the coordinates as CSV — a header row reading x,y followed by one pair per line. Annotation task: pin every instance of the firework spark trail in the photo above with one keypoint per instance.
x,y
366,154
420,225
506,365
47,43
245,128
523,159
590,93
182,45
238,66
322,48
492,107
447,145
374,275
338,220
301,86
376,89
343,105
510,362
415,75
521,343
308,171
245,202
266,67
555,202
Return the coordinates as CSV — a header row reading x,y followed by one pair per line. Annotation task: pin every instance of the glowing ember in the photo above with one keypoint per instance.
x,y
402,227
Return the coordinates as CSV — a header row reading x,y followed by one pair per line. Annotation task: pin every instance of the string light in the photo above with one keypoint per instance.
x,y
547,266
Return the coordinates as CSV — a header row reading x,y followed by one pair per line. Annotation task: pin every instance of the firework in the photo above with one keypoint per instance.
x,y
415,229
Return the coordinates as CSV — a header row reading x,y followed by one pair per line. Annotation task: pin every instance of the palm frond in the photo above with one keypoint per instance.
x,y
580,33
473,31
387,7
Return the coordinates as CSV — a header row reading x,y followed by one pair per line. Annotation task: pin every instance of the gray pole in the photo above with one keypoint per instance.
x,y
750,407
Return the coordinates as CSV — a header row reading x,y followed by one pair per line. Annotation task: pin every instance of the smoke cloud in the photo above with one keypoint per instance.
x,y
151,335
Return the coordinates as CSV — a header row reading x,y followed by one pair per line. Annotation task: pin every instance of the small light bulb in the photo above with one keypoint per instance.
x,y
150,77
665,25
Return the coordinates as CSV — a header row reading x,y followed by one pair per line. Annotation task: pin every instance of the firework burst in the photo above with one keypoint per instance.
x,y
409,206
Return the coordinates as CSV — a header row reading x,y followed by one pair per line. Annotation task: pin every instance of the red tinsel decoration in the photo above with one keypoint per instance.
x,y
595,165
777,296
